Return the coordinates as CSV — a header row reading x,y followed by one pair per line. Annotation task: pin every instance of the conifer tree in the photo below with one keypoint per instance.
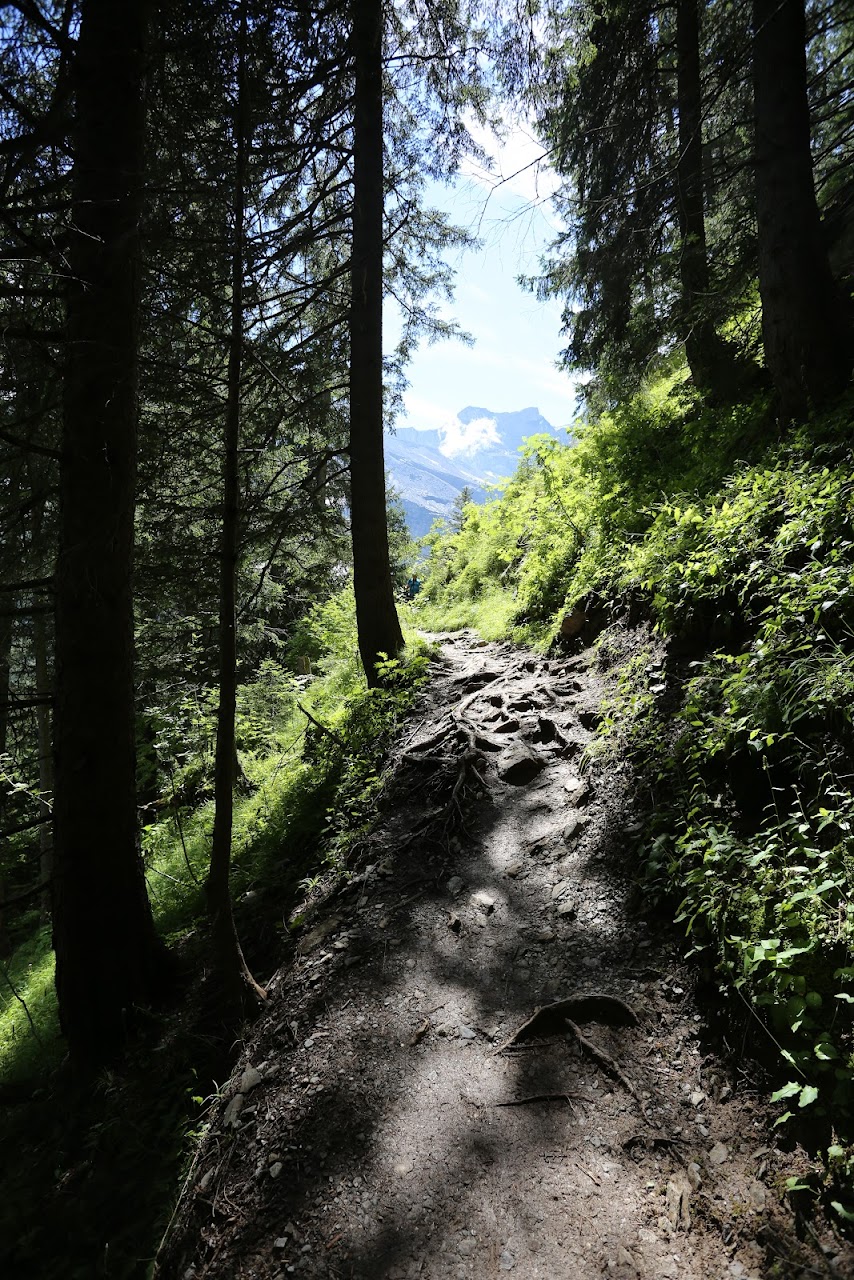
x,y
242,992
378,624
806,334
670,204
711,363
106,949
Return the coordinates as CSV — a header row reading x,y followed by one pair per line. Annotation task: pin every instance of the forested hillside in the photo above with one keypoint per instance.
x,y
205,657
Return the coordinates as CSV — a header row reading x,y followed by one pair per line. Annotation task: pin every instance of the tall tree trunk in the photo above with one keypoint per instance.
x,y
44,686
12,557
376,616
107,954
711,365
5,691
808,347
39,486
242,993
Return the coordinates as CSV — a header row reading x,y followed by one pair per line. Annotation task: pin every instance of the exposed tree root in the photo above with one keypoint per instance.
x,y
434,740
505,678
546,1097
605,1061
554,1019
455,769
551,1018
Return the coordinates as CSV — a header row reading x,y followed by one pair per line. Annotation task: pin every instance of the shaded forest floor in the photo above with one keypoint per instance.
x,y
379,1124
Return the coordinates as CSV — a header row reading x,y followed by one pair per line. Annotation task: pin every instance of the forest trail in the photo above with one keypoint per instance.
x,y
366,1131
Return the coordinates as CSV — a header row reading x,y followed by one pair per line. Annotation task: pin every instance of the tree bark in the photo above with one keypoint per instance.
x,y
807,340
39,486
6,623
107,954
241,991
44,685
376,615
712,367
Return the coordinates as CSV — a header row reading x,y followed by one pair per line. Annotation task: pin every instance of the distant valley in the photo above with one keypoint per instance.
x,y
431,468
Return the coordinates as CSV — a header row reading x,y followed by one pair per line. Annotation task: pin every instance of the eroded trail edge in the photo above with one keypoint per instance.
x,y
483,1059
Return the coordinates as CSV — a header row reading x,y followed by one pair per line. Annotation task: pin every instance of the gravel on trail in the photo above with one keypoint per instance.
x,y
400,1112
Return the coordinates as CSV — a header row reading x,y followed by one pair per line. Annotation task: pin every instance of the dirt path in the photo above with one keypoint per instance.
x,y
367,1132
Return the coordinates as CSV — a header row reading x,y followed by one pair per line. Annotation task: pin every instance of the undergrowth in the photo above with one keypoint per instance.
x,y
735,544
107,1160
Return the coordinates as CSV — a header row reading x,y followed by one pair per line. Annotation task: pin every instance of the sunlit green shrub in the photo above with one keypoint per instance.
x,y
737,547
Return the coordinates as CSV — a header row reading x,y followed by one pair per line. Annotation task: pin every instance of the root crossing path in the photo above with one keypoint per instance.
x,y
482,1059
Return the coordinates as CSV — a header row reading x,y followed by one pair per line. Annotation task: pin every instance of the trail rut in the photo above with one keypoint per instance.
x,y
400,1111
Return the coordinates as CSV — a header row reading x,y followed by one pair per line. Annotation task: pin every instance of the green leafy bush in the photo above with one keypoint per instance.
x,y
737,547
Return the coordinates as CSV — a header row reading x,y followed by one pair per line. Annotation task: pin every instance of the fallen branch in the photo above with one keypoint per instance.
x,y
336,737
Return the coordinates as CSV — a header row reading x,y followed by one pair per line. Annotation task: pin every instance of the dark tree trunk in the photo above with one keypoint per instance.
x,y
807,341
107,954
711,365
39,486
376,615
242,993
44,686
5,691
6,620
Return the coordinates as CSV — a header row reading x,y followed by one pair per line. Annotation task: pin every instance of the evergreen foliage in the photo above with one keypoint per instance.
x,y
246,237
196,199
670,199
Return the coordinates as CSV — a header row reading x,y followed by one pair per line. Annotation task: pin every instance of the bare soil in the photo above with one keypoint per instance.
x,y
397,1113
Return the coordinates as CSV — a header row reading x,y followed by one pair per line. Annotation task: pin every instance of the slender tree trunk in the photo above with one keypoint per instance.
x,y
44,685
107,956
5,691
12,558
5,673
712,367
376,616
39,486
808,347
241,991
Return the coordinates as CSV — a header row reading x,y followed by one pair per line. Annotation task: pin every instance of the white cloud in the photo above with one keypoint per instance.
x,y
461,438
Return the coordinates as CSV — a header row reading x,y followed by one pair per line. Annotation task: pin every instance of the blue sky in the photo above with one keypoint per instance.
x,y
517,338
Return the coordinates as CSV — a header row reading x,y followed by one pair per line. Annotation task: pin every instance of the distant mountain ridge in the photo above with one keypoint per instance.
x,y
430,468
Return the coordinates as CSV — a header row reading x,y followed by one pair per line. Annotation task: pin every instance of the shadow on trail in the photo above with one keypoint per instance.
x,y
403,1163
